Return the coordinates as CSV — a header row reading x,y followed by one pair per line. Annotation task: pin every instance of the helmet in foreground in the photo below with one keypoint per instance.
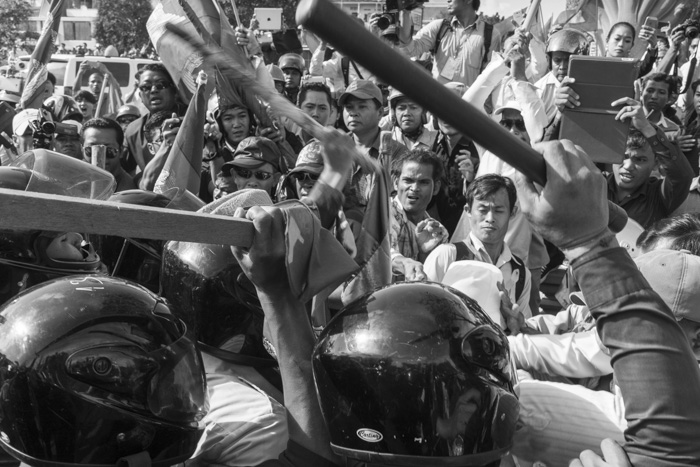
x,y
416,374
94,369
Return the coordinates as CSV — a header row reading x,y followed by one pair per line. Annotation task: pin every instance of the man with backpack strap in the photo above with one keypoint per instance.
x,y
461,44
490,206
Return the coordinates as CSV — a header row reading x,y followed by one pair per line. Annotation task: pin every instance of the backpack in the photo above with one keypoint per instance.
x,y
446,26
465,254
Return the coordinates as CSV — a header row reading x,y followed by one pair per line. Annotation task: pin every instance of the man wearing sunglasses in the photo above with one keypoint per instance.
x,y
255,164
107,132
158,93
307,170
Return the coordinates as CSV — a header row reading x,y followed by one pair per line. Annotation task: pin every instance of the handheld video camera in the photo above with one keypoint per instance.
x,y
42,133
691,28
390,14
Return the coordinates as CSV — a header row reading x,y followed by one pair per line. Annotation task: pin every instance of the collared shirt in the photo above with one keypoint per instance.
x,y
437,263
547,88
384,149
425,140
461,50
669,127
657,198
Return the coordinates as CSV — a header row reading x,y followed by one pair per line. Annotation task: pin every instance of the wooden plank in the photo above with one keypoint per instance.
x,y
25,210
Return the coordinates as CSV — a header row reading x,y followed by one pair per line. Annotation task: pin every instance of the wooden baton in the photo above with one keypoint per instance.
x,y
27,210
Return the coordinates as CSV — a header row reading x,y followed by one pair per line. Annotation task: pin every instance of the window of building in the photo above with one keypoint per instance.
x,y
76,30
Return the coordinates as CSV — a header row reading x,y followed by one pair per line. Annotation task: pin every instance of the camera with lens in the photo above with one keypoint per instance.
x,y
690,28
42,133
390,14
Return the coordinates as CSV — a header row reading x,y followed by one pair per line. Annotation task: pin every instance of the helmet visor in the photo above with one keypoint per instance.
x,y
55,173
178,391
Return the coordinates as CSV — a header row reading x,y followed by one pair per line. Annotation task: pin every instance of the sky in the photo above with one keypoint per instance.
x,y
506,7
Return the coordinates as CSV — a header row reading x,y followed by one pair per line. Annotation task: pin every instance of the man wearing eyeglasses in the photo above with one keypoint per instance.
x,y
255,164
107,132
158,93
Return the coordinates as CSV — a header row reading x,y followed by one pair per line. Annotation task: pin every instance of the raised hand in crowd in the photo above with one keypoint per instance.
x,y
565,96
430,233
648,34
634,111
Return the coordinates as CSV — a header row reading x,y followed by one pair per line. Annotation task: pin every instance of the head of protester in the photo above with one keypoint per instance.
x,y
32,129
511,118
153,130
64,108
293,68
640,161
490,207
417,177
31,256
108,133
126,114
307,170
236,123
674,233
255,164
407,115
620,40
67,139
658,90
561,46
362,109
87,103
116,373
157,89
316,100
95,83
416,373
277,77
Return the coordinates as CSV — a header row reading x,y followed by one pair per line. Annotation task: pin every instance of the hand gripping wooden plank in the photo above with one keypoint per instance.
x,y
26,210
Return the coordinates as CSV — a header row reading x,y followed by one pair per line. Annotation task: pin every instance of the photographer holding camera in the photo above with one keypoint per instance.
x,y
460,44
32,129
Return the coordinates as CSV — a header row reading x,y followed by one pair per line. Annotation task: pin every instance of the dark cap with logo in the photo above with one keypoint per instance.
x,y
252,153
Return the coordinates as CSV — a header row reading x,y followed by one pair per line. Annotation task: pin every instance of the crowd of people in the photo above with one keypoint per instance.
x,y
510,323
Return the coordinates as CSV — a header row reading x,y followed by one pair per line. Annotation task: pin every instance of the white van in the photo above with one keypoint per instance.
x,y
65,69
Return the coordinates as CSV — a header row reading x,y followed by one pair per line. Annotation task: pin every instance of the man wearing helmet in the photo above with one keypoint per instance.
x,y
67,139
126,114
293,68
560,46
408,121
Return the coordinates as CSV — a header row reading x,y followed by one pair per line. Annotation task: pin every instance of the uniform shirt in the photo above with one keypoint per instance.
x,y
547,90
425,140
657,198
440,259
461,50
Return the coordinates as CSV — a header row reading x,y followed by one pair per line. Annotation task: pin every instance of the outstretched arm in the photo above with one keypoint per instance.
x,y
652,360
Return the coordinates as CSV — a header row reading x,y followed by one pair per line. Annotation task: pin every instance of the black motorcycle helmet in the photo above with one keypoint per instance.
x,y
23,258
138,260
94,369
210,293
416,374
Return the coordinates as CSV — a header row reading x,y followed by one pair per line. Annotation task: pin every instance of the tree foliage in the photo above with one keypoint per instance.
x,y
13,19
122,24
246,9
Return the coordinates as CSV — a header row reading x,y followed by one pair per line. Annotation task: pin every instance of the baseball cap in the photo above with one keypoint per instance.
x,y
310,159
512,105
22,121
253,152
69,128
362,89
675,276
127,109
479,281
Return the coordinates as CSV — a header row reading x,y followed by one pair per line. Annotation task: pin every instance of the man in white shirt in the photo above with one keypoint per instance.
x,y
490,206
